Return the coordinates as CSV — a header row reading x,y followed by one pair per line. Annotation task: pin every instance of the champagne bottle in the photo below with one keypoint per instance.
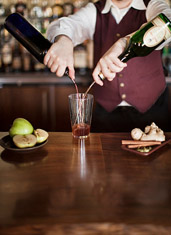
x,y
145,40
27,35
148,38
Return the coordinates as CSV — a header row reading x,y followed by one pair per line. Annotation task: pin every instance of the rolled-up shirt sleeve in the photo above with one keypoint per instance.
x,y
78,27
81,26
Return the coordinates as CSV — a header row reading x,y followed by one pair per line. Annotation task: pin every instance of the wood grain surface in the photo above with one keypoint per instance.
x,y
90,186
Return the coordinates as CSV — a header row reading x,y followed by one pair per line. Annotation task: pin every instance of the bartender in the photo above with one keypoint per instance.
x,y
134,94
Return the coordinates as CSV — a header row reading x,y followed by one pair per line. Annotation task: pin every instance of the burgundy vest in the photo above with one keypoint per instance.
x,y
143,80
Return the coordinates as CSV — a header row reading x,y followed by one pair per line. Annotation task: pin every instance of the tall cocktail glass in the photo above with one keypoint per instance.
x,y
80,107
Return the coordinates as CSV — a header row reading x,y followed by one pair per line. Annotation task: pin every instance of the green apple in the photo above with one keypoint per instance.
x,y
41,135
21,126
25,141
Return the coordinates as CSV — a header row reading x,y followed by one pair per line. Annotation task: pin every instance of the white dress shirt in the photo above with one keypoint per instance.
x,y
81,26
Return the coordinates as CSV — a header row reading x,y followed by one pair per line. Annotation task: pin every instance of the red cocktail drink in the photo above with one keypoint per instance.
x,y
80,130
80,107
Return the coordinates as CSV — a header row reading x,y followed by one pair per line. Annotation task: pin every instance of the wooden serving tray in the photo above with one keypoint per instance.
x,y
154,148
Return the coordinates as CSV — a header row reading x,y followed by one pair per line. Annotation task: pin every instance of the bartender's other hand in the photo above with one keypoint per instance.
x,y
109,64
60,56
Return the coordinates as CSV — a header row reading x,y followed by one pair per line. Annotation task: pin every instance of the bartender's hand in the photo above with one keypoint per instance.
x,y
60,56
109,64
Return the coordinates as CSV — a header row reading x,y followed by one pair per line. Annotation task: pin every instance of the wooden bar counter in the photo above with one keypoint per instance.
x,y
89,186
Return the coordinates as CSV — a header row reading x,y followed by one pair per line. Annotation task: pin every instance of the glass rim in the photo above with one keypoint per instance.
x,y
76,96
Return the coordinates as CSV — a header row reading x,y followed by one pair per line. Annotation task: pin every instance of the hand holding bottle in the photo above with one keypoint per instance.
x,y
109,64
141,43
60,56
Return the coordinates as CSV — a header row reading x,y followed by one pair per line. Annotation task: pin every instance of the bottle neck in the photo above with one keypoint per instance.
x,y
127,54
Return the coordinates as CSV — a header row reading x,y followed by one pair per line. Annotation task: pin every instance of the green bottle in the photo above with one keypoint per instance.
x,y
148,38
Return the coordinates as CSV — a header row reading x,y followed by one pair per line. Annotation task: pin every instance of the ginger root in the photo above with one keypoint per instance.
x,y
137,133
152,132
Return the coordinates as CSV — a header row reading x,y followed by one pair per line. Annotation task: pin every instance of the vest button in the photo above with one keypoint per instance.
x,y
120,75
123,96
118,35
122,84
